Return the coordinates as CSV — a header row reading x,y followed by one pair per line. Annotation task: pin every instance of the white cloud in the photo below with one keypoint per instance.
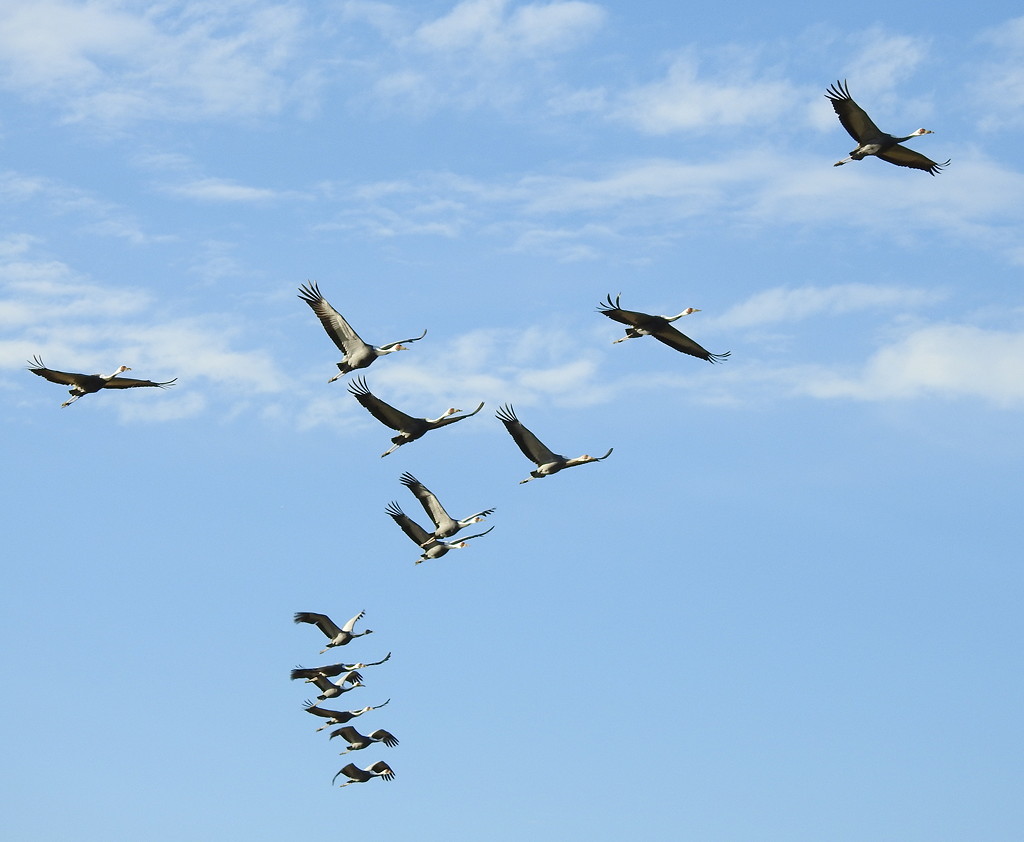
x,y
790,304
175,406
15,187
197,348
97,217
388,19
78,325
526,366
997,87
976,201
221,190
182,60
945,360
567,245
13,244
480,53
684,101
689,188
489,28
882,60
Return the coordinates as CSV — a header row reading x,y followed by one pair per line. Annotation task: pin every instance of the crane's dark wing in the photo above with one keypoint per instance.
x,y
131,383
478,534
67,378
627,317
383,412
352,772
381,768
322,682
316,710
345,715
416,532
854,118
391,345
533,448
904,156
301,672
431,505
386,737
310,672
350,734
451,419
681,342
330,670
381,661
350,676
334,323
321,621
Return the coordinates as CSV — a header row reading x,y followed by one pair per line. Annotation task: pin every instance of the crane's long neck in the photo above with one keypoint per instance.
x,y
579,460
447,414
685,312
918,133
120,370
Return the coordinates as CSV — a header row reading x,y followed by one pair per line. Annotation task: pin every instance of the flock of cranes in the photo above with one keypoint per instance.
x,y
347,678
335,680
432,543
357,354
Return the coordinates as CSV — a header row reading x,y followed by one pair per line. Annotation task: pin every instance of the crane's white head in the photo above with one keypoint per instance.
x,y
123,368
922,131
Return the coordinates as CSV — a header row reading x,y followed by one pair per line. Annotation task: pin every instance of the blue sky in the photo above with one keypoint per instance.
x,y
786,607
